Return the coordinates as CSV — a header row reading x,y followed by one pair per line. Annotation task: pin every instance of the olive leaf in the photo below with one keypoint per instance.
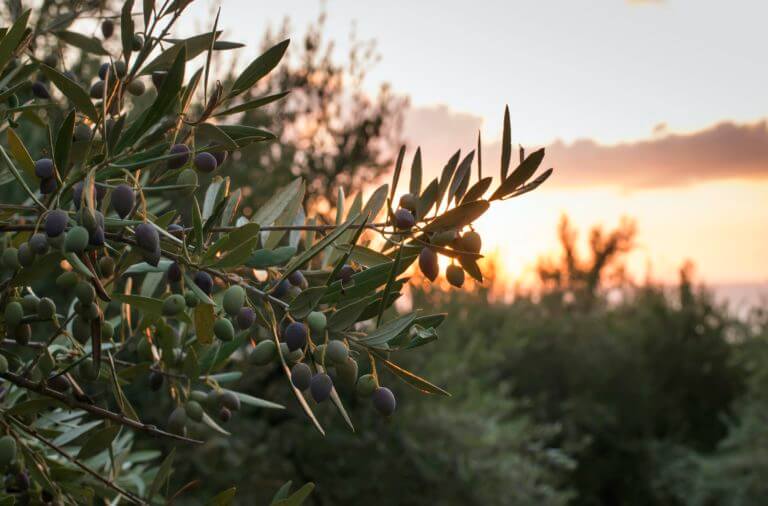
x,y
260,67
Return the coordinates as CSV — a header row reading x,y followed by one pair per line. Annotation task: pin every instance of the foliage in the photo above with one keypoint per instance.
x,y
182,301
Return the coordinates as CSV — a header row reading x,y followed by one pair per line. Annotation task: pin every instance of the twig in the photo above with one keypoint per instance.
x,y
32,432
94,410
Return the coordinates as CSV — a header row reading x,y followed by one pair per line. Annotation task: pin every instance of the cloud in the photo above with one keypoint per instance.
x,y
726,150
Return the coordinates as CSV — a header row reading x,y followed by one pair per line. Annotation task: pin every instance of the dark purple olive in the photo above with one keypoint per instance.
x,y
176,230
281,290
155,380
296,278
44,168
56,222
147,237
220,156
205,162
107,28
295,336
123,200
182,156
40,90
103,69
301,376
245,318
384,401
404,219
345,273
320,386
96,238
204,281
174,273
48,185
428,263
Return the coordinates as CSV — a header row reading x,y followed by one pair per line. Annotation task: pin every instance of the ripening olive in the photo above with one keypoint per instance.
x,y
345,273
337,351
136,87
137,42
48,185
194,410
174,305
366,385
158,77
223,329
205,162
14,312
404,219
81,329
410,202
346,372
296,278
7,451
88,370
147,237
321,386
225,415
198,396
173,274
301,375
97,90
317,322
107,28
26,255
234,298
428,263
384,401
220,156
85,292
82,133
455,275
204,281
123,200
39,243
177,421
76,240
44,168
60,383
10,258
291,356
245,318
263,353
107,330
156,380
295,336
471,241
39,90
181,152
22,333
29,302
67,280
107,266
46,308
55,223
281,289
229,400
187,177
190,298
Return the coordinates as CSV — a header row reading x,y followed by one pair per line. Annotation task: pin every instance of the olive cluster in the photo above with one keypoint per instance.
x,y
467,242
221,402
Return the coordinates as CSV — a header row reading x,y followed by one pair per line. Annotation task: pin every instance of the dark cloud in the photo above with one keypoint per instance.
x,y
727,150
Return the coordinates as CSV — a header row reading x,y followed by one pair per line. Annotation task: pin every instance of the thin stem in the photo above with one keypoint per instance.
x,y
94,410
32,432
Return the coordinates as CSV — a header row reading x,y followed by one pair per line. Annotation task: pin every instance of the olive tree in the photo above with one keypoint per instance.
x,y
107,288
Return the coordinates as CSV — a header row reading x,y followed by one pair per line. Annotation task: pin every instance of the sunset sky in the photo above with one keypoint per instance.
x,y
650,109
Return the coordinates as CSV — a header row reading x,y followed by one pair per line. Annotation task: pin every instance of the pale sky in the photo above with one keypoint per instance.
x,y
605,70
